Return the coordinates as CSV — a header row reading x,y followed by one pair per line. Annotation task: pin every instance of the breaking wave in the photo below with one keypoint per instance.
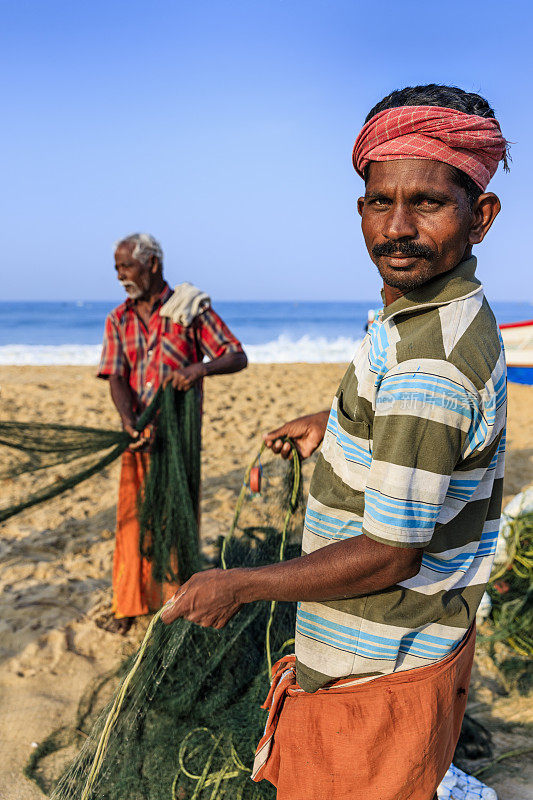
x,y
282,350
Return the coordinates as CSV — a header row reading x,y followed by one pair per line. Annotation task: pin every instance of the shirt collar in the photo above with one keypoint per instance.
x,y
457,284
166,292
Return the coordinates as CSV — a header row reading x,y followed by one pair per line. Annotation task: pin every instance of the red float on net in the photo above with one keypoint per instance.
x,y
255,480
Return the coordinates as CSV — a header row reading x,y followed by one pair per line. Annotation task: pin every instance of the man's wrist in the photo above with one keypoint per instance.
x,y
244,584
320,419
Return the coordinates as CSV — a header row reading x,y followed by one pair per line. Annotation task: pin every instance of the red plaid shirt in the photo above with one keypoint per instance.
x,y
146,356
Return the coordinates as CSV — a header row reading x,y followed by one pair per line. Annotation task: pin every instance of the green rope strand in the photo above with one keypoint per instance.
x,y
239,504
509,754
288,515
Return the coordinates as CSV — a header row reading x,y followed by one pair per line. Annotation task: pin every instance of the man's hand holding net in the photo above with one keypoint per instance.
x,y
306,433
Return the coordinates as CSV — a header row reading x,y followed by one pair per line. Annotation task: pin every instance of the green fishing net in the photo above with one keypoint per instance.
x,y
511,590
185,718
168,508
182,718
41,461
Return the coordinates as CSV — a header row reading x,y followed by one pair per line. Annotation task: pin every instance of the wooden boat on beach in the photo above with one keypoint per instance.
x,y
518,343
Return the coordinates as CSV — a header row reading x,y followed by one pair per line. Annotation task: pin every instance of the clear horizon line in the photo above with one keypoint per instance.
x,y
217,300
220,300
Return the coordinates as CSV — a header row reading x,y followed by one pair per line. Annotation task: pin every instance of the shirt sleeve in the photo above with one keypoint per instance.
x,y
213,335
424,420
112,360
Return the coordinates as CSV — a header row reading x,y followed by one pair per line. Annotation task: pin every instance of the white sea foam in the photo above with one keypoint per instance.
x,y
37,354
280,351
309,349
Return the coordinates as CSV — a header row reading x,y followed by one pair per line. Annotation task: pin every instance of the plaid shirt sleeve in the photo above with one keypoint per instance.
x,y
214,337
112,360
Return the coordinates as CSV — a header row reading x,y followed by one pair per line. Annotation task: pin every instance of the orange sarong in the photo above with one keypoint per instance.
x,y
135,592
391,738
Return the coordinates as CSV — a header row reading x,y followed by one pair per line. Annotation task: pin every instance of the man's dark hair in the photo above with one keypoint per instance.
x,y
448,97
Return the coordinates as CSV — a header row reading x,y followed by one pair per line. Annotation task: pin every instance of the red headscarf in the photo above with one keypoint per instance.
x,y
473,144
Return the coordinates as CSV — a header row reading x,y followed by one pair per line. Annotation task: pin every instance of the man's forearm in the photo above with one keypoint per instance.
x,y
122,398
226,364
357,566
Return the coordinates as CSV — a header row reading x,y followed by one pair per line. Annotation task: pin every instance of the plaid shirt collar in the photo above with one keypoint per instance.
x,y
166,292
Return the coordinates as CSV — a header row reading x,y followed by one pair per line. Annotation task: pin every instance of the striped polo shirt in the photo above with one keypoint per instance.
x,y
413,456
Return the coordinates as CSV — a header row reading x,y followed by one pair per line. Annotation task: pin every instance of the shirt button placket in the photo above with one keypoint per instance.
x,y
149,383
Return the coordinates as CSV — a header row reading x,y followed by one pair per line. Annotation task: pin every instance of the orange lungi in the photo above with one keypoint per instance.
x,y
391,738
135,592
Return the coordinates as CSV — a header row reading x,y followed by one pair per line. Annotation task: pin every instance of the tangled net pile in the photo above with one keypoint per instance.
x,y
169,506
511,590
186,718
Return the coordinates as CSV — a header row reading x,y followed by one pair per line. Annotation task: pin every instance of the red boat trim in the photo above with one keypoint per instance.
x,y
517,324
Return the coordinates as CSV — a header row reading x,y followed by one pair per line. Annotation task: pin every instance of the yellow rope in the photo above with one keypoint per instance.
x,y
115,711
206,778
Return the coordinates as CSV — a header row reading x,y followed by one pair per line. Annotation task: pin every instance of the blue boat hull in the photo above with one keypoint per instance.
x,y
520,375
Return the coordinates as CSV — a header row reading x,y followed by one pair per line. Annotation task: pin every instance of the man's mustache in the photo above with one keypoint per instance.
x,y
131,289
412,249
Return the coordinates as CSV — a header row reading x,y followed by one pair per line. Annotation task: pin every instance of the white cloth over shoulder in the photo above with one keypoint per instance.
x,y
185,304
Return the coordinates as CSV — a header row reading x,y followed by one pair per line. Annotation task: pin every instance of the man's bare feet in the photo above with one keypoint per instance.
x,y
114,625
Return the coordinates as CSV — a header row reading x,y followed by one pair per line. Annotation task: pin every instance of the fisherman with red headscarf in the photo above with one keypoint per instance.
x,y
404,504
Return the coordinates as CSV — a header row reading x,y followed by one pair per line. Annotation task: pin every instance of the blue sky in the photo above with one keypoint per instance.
x,y
225,128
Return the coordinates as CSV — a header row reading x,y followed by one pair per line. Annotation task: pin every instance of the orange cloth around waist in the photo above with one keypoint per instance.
x,y
391,738
135,592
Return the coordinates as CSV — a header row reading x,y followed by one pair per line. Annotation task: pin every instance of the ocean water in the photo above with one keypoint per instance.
x,y
71,332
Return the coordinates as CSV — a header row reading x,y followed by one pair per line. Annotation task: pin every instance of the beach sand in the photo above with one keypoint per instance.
x,y
56,559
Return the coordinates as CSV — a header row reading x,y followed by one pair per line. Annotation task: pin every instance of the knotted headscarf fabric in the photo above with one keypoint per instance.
x,y
468,142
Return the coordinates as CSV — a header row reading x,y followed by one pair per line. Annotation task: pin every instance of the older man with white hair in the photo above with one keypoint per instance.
x,y
157,336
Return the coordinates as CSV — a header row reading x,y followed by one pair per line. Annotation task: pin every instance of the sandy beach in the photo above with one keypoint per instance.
x,y
55,569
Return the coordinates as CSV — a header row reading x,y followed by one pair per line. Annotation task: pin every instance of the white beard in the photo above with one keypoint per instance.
x,y
132,290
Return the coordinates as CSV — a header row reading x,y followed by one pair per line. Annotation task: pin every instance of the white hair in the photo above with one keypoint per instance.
x,y
144,247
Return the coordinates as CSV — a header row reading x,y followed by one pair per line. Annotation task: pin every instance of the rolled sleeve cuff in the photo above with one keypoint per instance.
x,y
403,543
106,372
